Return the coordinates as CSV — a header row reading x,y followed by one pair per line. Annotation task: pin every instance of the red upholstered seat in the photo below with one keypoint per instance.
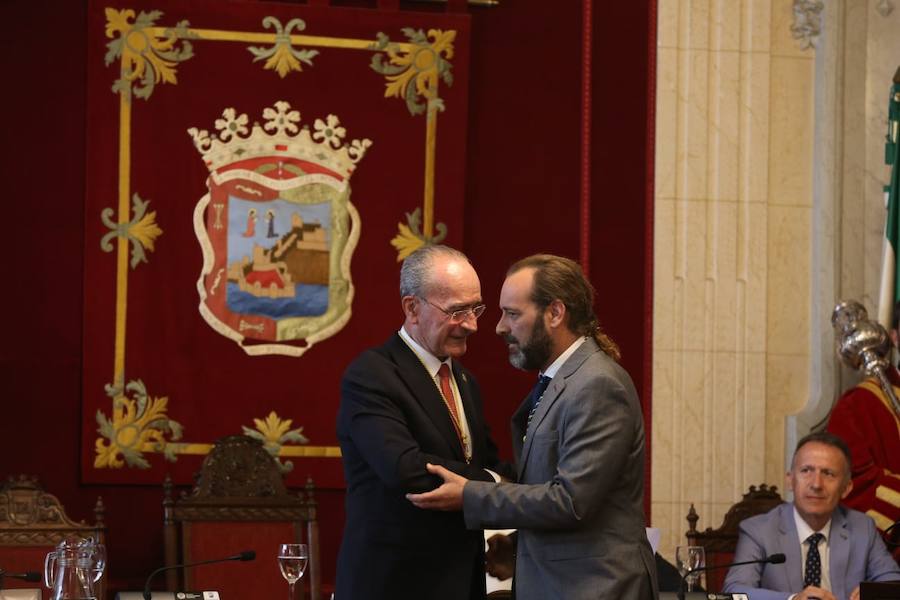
x,y
240,503
258,579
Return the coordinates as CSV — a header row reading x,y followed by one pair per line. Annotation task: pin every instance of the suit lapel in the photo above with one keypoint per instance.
x,y
838,552
552,394
411,370
517,430
789,540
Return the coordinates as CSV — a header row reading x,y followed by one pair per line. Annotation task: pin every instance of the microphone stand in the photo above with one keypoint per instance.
x,y
774,559
28,576
243,556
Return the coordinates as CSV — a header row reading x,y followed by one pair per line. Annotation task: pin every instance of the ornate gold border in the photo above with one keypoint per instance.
x,y
149,54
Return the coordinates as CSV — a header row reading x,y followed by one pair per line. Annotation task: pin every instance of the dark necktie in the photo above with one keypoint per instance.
x,y
813,561
534,398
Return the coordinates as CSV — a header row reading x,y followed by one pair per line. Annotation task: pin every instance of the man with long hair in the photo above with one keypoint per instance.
x,y
578,440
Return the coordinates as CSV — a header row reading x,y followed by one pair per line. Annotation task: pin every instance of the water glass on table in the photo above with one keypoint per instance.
x,y
292,559
688,559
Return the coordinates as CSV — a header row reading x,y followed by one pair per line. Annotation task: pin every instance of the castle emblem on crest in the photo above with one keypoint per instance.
x,y
277,229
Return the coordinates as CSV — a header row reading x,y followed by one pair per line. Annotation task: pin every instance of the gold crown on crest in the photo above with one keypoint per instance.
x,y
324,146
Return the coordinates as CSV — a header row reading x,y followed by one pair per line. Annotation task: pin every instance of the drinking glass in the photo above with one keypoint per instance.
x,y
688,559
89,565
292,560
99,562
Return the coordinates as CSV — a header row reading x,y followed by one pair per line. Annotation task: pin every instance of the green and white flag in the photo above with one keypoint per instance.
x,y
890,282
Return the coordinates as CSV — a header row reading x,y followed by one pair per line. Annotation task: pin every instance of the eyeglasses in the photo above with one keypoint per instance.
x,y
458,316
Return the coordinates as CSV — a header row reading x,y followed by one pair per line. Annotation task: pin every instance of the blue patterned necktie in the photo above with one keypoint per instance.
x,y
534,398
813,561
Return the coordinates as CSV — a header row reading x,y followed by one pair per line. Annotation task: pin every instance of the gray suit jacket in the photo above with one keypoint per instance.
x,y
579,501
855,553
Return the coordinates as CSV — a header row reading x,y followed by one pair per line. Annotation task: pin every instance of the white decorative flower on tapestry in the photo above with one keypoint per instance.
x,y
279,135
330,131
229,125
281,118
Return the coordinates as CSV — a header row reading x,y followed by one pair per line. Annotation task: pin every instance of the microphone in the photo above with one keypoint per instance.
x,y
243,556
774,559
26,576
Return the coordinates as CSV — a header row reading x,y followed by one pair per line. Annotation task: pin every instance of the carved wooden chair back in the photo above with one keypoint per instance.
x,y
720,543
32,523
239,502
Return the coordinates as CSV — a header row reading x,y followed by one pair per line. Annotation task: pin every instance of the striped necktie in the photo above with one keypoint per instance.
x,y
534,398
450,401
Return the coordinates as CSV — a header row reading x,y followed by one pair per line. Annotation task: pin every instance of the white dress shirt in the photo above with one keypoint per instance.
x,y
432,364
562,358
803,532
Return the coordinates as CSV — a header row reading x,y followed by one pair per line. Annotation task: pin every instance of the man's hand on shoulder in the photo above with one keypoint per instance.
x,y
449,496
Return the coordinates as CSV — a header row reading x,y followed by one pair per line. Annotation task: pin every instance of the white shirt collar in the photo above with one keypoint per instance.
x,y
804,530
562,358
432,363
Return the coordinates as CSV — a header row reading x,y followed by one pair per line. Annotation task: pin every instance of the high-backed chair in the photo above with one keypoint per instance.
x,y
33,522
720,543
239,502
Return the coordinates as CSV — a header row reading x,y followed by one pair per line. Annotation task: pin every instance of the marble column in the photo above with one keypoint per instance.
x,y
732,258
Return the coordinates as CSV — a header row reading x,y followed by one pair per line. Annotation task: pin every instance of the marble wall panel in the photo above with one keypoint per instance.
x,y
753,132
792,121
732,252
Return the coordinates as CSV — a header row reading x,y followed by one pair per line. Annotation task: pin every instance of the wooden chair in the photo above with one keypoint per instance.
x,y
720,544
33,522
239,502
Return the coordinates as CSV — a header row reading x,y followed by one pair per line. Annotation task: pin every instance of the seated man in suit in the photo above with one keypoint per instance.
x,y
830,549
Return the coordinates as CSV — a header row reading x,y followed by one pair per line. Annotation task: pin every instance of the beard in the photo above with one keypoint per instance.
x,y
533,353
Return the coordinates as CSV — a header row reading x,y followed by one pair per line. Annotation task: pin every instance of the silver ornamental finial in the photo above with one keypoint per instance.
x,y
863,344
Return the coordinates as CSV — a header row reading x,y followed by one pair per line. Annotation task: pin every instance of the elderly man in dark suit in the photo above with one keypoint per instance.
x,y
405,404
579,442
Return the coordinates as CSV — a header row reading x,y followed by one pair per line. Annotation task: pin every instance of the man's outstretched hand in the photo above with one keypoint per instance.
x,y
448,496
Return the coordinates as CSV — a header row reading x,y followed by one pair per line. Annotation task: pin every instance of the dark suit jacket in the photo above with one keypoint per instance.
x,y
856,553
391,421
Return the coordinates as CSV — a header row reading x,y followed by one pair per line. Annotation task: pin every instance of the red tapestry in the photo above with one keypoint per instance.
x,y
256,171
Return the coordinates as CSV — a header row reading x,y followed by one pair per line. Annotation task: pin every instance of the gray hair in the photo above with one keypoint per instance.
x,y
415,276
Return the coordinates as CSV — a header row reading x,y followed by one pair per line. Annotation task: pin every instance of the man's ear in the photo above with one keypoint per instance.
x,y
556,313
410,306
848,489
